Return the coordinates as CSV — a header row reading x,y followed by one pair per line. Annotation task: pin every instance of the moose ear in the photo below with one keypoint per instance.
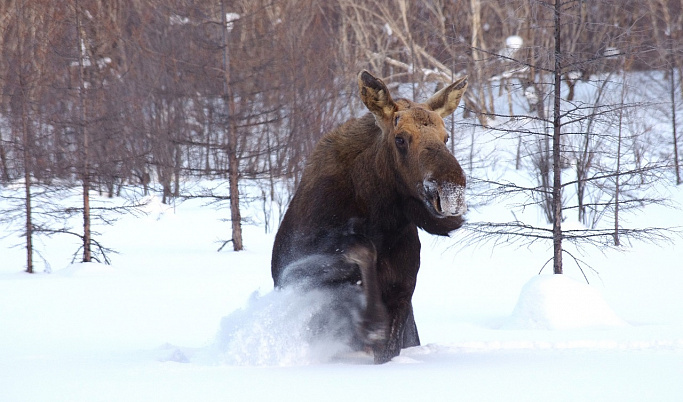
x,y
446,100
375,95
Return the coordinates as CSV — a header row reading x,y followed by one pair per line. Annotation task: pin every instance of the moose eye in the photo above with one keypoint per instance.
x,y
400,141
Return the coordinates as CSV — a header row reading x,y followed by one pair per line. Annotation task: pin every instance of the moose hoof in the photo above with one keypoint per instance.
x,y
384,356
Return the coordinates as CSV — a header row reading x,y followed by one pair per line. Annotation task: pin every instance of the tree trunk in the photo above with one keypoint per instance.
x,y
672,92
29,223
178,162
87,257
233,163
26,154
557,173
3,162
209,129
475,9
617,242
27,184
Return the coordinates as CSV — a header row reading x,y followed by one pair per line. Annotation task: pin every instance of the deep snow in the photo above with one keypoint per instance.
x,y
172,319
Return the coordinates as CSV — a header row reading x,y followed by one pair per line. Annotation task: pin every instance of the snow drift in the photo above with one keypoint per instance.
x,y
557,302
286,328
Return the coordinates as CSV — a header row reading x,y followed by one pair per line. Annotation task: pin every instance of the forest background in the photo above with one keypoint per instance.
x,y
99,95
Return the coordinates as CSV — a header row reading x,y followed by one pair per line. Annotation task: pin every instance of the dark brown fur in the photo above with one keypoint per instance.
x,y
366,189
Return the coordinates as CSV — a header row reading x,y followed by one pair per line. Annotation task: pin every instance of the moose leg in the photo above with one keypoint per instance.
x,y
348,272
399,314
373,327
410,335
398,274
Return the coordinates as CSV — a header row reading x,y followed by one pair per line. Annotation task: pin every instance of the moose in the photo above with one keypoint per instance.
x,y
352,225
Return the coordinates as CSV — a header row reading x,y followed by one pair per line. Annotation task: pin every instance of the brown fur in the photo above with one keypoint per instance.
x,y
367,187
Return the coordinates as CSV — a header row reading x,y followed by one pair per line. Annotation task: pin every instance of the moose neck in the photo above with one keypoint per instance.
x,y
379,190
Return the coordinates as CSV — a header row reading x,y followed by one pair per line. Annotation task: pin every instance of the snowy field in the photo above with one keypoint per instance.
x,y
148,327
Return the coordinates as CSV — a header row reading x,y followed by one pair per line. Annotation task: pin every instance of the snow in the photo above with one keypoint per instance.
x,y
275,330
514,42
530,94
574,75
611,52
176,19
558,302
230,19
172,319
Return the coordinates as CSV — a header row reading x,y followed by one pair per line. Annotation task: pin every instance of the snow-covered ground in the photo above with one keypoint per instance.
x,y
148,327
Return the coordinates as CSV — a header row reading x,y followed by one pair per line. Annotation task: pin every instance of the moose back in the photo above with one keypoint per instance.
x,y
351,227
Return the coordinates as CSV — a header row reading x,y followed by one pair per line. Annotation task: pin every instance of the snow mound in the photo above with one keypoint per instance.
x,y
86,269
283,328
556,302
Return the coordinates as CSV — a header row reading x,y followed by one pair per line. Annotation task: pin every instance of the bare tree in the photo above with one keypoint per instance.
x,y
27,28
582,133
151,92
85,144
231,149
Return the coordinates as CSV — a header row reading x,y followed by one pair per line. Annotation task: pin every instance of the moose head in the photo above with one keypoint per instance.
x,y
416,134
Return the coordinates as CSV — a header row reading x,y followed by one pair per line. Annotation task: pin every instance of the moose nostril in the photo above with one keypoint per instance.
x,y
430,186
